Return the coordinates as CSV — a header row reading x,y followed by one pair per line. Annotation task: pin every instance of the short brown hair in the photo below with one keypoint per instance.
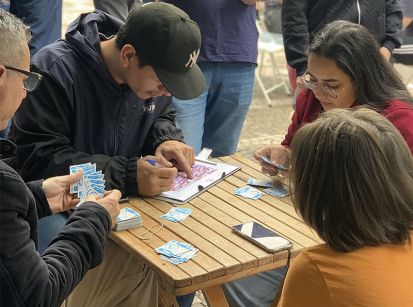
x,y
352,179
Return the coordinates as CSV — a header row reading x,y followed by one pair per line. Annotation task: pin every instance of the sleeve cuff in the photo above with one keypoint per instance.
x,y
131,185
42,205
389,45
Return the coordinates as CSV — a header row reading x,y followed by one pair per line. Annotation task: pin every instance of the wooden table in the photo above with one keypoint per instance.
x,y
223,256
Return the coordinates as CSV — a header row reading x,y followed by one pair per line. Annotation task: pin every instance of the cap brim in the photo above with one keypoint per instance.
x,y
186,85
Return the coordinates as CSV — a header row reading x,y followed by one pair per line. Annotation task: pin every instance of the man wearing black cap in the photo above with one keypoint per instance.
x,y
102,100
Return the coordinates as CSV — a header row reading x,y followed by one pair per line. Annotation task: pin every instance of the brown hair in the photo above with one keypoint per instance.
x,y
352,179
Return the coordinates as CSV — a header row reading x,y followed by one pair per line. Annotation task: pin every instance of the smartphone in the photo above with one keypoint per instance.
x,y
262,236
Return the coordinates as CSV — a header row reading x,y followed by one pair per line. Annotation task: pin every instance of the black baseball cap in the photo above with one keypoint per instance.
x,y
170,41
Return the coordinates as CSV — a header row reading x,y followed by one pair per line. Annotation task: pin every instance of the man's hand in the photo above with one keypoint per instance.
x,y
152,180
182,154
299,82
57,192
277,154
386,53
110,201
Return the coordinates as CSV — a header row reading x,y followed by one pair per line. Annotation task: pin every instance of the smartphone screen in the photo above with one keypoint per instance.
x,y
264,237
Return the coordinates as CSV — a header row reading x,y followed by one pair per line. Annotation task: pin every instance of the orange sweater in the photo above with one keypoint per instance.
x,y
371,276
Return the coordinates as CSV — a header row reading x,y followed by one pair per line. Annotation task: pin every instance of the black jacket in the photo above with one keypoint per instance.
x,y
80,114
302,19
26,278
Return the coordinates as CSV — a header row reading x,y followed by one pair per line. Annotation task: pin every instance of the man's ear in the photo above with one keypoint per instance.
x,y
3,74
127,55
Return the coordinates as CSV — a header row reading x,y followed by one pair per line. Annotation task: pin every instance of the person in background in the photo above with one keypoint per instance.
x,y
345,69
302,19
227,59
272,16
407,7
45,26
351,181
404,56
105,99
117,8
28,278
44,18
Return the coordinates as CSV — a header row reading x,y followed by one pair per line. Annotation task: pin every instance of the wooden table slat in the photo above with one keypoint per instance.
x,y
228,221
214,237
212,266
260,216
275,212
146,253
246,168
152,208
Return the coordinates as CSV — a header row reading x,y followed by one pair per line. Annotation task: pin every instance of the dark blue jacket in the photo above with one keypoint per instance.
x,y
302,19
80,114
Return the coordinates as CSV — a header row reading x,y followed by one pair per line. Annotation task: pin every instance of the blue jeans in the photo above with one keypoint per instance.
x,y
5,5
215,118
44,18
258,290
50,226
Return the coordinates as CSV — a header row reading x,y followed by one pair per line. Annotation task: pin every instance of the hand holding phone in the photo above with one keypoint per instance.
x,y
262,236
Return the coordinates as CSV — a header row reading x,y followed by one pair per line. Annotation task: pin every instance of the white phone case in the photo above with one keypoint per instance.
x,y
262,236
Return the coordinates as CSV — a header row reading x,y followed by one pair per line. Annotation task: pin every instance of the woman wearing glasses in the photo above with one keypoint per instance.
x,y
345,69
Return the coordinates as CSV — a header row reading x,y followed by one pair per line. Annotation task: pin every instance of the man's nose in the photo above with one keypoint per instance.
x,y
163,90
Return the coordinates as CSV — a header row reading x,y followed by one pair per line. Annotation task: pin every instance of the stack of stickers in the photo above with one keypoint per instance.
x,y
177,214
128,218
249,191
271,187
176,252
91,183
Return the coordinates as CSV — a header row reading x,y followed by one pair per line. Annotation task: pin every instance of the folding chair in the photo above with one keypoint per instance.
x,y
404,55
271,44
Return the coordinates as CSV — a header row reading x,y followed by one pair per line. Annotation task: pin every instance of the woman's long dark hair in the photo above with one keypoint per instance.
x,y
356,52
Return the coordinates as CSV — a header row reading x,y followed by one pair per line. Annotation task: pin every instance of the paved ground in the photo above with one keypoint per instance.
x,y
264,124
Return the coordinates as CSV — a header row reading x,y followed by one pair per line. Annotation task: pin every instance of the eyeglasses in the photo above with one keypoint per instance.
x,y
31,82
326,90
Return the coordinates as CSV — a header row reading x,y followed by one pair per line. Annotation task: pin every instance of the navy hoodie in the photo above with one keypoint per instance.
x,y
80,114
